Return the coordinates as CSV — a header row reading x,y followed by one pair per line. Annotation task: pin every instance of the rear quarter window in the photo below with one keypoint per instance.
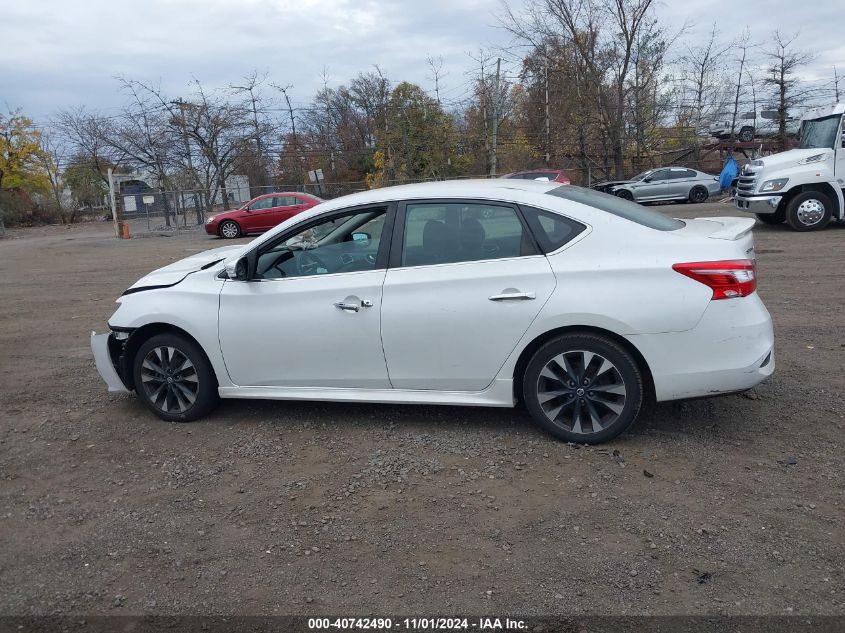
x,y
619,207
551,229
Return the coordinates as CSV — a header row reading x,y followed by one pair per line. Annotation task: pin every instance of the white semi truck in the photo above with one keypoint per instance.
x,y
802,186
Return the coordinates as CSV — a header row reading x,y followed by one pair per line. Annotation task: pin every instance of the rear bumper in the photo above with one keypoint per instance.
x,y
731,349
105,365
758,204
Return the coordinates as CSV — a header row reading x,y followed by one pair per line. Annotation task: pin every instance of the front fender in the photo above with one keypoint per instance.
x,y
191,306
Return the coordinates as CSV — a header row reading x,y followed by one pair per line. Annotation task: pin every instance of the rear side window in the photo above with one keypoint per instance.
x,y
619,207
442,233
551,230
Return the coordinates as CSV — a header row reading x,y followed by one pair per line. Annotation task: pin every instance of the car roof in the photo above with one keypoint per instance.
x,y
492,189
283,193
536,171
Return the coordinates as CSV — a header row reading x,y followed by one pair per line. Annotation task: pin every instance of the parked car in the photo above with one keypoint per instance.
x,y
577,303
260,214
761,124
552,175
665,184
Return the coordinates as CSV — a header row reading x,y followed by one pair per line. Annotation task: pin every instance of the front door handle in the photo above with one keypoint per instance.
x,y
349,307
513,296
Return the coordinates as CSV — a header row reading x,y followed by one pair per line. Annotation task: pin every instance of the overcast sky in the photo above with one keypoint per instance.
x,y
63,53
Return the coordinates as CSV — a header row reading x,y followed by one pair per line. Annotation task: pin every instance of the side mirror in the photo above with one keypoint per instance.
x,y
647,179
238,270
360,237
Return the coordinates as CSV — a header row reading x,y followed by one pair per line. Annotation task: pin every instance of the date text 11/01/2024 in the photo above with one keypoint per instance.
x,y
417,624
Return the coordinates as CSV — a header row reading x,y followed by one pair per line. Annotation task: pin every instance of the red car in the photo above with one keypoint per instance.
x,y
552,175
260,214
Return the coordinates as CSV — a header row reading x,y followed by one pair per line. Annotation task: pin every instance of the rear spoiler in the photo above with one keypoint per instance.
x,y
731,228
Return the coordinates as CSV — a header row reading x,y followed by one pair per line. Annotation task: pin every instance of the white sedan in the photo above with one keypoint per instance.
x,y
576,303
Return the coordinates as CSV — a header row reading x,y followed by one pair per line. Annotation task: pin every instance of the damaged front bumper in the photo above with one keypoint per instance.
x,y
106,350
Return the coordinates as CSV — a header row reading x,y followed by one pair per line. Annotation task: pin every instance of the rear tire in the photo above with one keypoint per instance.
x,y
174,379
809,211
229,230
583,388
698,194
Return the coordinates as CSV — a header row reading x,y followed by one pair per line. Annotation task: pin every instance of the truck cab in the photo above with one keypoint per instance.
x,y
802,186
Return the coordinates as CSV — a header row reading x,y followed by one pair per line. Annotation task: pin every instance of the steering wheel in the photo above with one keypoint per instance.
x,y
308,263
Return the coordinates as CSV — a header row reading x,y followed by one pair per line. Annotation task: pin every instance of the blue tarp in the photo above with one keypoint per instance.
x,y
729,172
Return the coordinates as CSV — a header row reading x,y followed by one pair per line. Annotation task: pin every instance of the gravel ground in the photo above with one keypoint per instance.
x,y
730,505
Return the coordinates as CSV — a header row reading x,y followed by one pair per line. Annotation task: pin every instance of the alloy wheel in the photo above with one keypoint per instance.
x,y
582,391
229,230
169,379
810,212
698,195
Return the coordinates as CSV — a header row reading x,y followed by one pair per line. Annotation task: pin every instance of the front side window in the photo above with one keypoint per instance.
x,y
661,174
339,244
643,175
263,203
442,233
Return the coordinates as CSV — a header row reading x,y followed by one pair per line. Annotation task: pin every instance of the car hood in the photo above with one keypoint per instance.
x,y
792,156
231,213
172,274
612,183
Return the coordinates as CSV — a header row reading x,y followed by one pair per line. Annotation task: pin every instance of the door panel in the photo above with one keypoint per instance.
x,y
441,330
653,190
260,214
679,185
288,332
311,315
282,209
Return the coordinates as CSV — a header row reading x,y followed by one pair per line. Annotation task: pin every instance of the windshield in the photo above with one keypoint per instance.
x,y
617,206
819,133
642,175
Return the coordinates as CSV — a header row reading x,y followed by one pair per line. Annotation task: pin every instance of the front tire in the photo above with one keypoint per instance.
x,y
229,230
772,219
809,211
583,388
698,194
624,194
174,379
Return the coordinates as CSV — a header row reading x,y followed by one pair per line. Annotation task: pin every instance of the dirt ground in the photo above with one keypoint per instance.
x,y
314,508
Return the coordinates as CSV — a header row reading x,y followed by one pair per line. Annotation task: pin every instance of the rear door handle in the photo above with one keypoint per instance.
x,y
513,296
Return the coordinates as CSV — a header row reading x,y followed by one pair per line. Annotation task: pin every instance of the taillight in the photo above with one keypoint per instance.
x,y
728,279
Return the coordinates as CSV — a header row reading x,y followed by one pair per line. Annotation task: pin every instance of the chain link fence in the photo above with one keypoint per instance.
x,y
184,211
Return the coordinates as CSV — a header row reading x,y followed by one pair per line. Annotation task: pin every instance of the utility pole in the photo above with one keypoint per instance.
x,y
836,83
496,109
546,86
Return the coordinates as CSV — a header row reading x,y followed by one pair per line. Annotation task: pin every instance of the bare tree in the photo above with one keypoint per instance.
x,y
783,62
53,158
436,65
86,132
262,127
704,91
604,35
142,135
742,44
